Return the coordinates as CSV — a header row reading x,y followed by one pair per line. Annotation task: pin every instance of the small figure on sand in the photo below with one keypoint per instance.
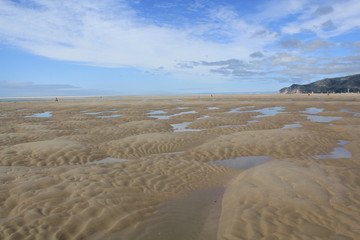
x,y
56,99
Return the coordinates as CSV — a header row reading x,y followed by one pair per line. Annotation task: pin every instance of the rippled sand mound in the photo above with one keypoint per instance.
x,y
281,200
157,179
95,200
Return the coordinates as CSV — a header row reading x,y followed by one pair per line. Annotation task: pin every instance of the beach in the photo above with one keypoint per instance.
x,y
262,166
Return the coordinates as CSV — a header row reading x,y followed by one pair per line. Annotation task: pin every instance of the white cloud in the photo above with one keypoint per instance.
x,y
220,43
104,34
343,17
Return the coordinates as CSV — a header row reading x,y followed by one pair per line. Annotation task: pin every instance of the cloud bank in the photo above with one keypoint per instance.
x,y
195,40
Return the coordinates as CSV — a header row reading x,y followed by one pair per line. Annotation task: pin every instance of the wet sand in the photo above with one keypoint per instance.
x,y
150,168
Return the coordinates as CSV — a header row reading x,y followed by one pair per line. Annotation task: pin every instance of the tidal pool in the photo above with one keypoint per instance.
x,y
293,125
93,113
242,162
182,127
176,114
203,117
111,116
356,114
313,110
267,112
156,112
338,152
44,114
323,119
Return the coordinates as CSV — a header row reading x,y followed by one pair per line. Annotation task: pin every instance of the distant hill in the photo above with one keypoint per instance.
x,y
337,85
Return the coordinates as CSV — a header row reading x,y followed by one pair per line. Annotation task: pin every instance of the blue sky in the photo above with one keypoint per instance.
x,y
123,47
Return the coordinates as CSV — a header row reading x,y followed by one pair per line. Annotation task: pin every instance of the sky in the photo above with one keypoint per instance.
x,y
157,47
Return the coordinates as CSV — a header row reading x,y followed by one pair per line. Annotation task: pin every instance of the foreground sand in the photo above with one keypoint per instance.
x,y
52,188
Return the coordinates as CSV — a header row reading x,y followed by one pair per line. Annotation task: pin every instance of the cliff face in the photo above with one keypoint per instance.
x,y
337,85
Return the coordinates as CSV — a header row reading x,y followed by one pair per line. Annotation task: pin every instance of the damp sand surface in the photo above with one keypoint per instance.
x,y
151,174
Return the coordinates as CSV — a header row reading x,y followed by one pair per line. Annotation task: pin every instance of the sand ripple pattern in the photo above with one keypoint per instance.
x,y
286,201
96,201
166,189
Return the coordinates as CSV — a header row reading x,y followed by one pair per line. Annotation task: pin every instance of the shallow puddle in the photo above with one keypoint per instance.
x,y
156,112
313,110
242,162
323,119
342,142
174,115
44,114
93,113
268,112
182,127
356,114
194,216
111,116
338,152
203,117
265,112
212,108
293,125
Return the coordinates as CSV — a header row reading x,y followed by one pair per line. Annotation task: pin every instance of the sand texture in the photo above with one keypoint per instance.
x,y
142,168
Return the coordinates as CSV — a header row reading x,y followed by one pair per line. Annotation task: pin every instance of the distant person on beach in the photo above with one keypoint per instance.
x,y
56,99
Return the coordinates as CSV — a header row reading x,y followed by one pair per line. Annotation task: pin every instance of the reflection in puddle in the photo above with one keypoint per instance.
x,y
203,117
212,108
313,110
176,114
323,119
182,108
108,160
293,125
226,126
347,111
239,109
110,116
93,113
194,216
242,162
182,127
156,112
44,114
267,112
338,152
342,142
